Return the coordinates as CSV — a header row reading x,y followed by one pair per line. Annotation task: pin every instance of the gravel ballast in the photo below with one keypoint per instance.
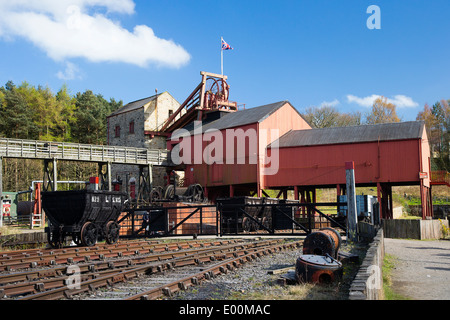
x,y
253,281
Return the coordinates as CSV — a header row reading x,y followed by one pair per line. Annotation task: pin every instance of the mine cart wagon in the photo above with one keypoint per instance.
x,y
246,214
84,215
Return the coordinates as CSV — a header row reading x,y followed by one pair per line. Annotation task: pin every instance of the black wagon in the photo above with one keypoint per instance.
x,y
84,215
246,214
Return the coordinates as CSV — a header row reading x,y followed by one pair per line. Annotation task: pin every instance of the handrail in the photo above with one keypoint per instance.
x,y
34,149
440,177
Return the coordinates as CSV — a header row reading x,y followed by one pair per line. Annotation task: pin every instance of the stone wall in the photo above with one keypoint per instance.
x,y
156,114
148,117
368,282
123,120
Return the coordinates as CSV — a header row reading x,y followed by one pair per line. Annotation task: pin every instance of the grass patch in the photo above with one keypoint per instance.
x,y
305,291
388,266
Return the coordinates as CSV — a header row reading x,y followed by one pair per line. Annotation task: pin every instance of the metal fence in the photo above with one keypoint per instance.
x,y
229,219
277,218
169,221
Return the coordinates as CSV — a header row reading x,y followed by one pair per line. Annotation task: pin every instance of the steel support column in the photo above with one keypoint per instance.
x,y
384,195
352,212
426,201
380,207
105,176
50,180
145,182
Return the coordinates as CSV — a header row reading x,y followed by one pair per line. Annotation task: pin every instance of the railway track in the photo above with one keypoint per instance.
x,y
206,273
71,272
10,261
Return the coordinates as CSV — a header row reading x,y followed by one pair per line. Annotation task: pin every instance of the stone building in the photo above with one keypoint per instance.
x,y
137,125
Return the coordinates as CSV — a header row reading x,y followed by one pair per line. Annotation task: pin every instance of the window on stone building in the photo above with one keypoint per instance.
x,y
117,131
132,127
170,113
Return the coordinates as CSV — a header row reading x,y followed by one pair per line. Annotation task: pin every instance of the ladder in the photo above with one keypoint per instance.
x,y
37,218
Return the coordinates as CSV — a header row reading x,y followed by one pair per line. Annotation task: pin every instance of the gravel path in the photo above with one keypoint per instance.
x,y
422,268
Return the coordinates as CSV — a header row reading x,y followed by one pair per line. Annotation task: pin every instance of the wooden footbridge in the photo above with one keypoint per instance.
x,y
51,152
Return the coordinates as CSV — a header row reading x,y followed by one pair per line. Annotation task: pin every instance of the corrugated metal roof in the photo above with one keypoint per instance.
x,y
239,118
353,134
133,105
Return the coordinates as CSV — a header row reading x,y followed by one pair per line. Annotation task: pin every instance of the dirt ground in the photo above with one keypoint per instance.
x,y
422,268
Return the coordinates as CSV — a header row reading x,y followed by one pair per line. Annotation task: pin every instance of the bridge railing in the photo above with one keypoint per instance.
x,y
34,149
440,177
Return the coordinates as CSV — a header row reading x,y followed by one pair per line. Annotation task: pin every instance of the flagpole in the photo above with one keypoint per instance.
x,y
221,55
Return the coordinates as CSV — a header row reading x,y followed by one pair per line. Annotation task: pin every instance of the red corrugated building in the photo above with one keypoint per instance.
x,y
385,155
273,147
236,166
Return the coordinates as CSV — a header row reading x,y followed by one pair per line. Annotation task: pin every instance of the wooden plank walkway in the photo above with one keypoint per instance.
x,y
34,149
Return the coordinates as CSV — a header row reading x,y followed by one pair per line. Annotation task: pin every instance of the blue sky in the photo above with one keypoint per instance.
x,y
308,52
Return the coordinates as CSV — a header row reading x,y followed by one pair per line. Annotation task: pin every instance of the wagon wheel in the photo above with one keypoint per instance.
x,y
54,239
266,222
246,224
198,193
112,232
169,192
211,93
156,194
89,234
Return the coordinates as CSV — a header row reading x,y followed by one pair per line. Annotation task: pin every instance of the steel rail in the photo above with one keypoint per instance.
x,y
61,274
108,264
223,267
148,268
11,254
87,255
8,255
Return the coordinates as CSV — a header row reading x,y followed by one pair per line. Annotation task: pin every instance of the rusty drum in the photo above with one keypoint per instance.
x,y
318,269
322,242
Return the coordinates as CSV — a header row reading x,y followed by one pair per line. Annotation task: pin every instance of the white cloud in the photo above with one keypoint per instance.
x,y
333,103
66,29
400,101
70,73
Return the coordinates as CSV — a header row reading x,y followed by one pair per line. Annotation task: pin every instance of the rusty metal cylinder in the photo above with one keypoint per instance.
x,y
318,269
322,242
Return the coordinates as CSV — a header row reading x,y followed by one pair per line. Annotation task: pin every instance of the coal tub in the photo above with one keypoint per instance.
x,y
84,215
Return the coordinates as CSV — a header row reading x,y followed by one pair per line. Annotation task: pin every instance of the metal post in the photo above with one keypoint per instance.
x,y
55,175
108,166
309,212
219,229
351,201
201,220
150,176
1,191
50,175
236,218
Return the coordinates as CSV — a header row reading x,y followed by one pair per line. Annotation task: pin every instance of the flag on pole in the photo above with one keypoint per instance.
x,y
226,46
